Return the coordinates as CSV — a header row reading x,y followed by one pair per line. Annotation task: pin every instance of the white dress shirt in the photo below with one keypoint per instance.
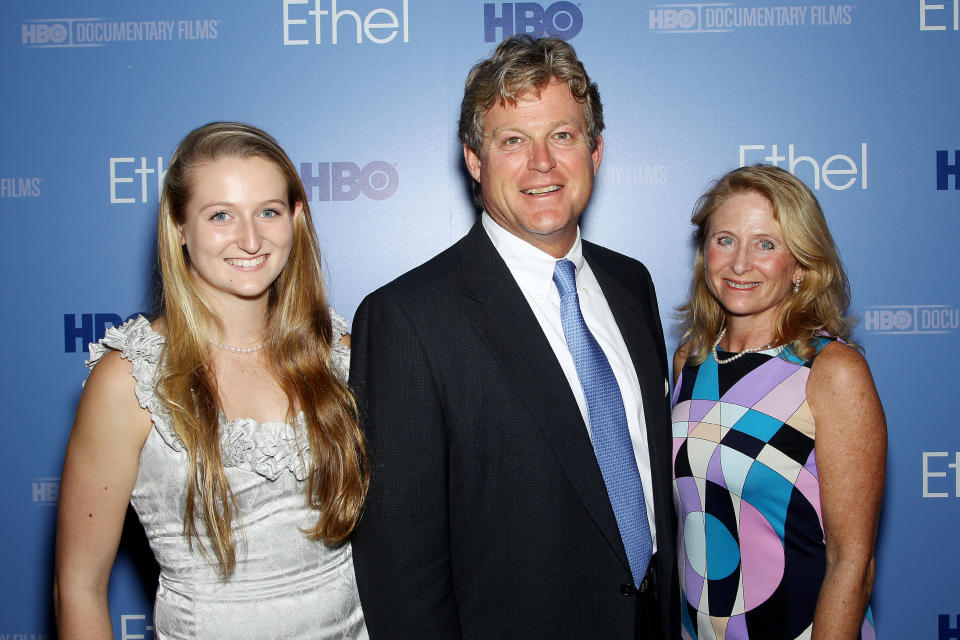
x,y
533,271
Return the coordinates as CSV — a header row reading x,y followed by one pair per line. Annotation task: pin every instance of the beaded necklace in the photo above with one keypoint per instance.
x,y
713,349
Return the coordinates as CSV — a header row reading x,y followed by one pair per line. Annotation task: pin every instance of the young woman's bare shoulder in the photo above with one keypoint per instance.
x,y
109,400
112,374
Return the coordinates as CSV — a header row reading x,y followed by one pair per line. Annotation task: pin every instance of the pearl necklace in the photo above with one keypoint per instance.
x,y
732,358
227,347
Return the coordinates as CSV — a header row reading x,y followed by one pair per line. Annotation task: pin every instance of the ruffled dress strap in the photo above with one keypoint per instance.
x,y
268,448
143,347
340,355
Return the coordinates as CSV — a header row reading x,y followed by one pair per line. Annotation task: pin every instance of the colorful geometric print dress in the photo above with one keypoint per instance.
x,y
751,543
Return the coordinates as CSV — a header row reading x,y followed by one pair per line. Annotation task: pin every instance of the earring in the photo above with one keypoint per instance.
x,y
796,285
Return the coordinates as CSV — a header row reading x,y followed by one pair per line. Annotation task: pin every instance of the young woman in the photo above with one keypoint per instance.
x,y
226,421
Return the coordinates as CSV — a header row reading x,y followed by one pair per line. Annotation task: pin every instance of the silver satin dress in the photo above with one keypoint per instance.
x,y
285,585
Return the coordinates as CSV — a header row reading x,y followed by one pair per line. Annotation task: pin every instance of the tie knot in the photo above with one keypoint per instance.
x,y
565,277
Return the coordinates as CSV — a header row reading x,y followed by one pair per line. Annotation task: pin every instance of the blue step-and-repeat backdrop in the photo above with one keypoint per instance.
x,y
860,100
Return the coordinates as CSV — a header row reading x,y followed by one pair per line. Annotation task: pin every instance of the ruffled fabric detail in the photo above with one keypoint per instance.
x,y
266,449
340,356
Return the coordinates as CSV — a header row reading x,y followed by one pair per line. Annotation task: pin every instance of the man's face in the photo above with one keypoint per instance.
x,y
535,167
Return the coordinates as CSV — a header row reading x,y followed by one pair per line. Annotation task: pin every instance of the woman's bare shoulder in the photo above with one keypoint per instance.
x,y
680,359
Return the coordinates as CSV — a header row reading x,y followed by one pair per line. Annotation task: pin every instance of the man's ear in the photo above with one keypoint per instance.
x,y
472,160
597,154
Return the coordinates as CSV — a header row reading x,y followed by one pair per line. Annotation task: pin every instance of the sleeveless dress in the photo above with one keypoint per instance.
x,y
751,546
285,585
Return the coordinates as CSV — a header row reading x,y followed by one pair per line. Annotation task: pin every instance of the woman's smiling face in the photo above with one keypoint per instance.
x,y
749,268
239,226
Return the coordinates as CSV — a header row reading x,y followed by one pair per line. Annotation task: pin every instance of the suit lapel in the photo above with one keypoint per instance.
x,y
507,325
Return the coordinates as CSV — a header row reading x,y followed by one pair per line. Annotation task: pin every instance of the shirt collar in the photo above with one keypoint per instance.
x,y
531,267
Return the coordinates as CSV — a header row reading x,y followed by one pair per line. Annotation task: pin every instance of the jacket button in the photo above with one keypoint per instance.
x,y
628,589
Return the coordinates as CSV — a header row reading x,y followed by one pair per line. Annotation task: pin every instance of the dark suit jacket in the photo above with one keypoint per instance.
x,y
487,516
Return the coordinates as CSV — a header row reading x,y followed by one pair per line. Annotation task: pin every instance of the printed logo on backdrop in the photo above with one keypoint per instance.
x,y
912,319
45,491
99,32
136,183
133,626
330,22
19,188
633,174
945,630
343,181
835,171
25,635
135,180
503,19
940,475
945,169
718,17
79,330
940,16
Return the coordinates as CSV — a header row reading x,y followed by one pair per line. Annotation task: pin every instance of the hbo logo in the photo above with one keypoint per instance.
x,y
888,320
39,33
923,318
46,490
667,19
340,181
560,20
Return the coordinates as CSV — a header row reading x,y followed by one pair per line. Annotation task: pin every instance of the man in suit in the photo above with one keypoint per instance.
x,y
513,391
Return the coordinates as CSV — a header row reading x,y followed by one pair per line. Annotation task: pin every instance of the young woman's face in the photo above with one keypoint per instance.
x,y
239,226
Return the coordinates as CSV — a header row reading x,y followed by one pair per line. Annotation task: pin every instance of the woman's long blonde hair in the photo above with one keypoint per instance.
x,y
298,339
820,304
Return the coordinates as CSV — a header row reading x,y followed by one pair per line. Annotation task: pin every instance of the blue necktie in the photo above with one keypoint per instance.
x,y
608,425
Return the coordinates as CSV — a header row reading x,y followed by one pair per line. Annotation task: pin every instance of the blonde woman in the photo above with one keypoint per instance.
x,y
226,421
779,435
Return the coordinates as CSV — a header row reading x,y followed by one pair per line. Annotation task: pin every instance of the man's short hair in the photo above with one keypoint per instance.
x,y
518,66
